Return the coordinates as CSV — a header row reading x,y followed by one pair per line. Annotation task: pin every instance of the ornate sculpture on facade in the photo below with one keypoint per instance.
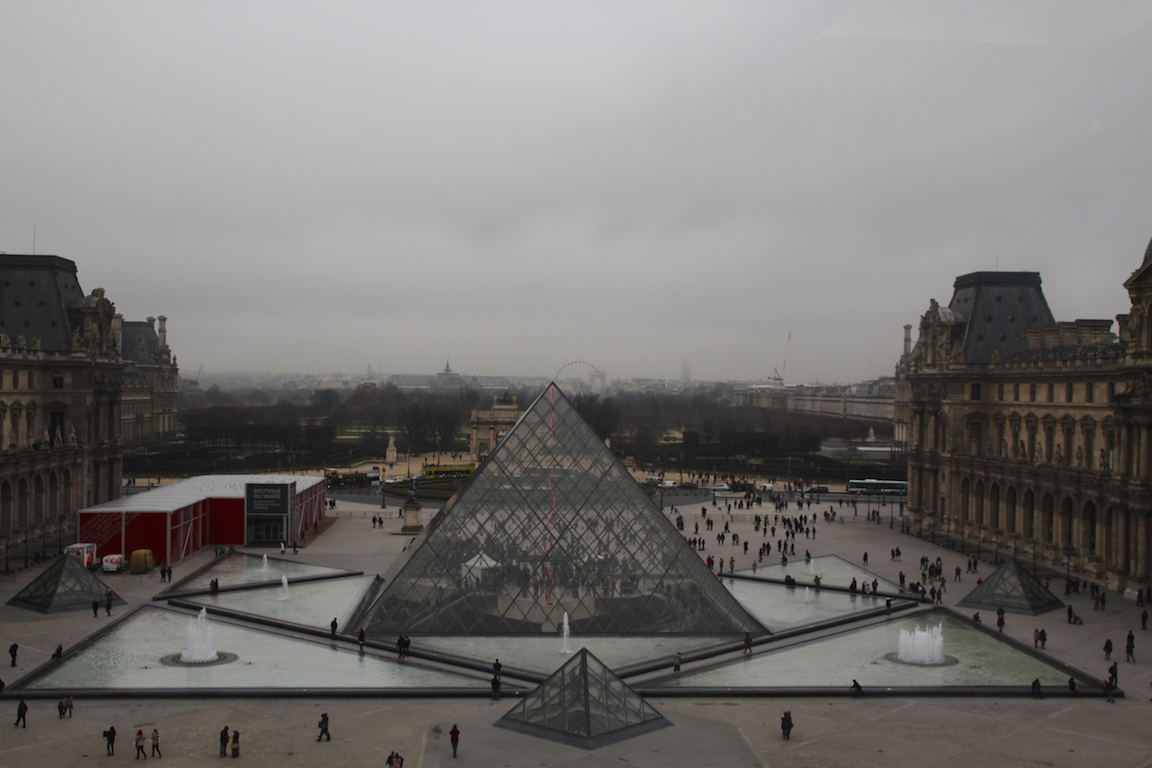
x,y
1135,323
1079,456
1103,460
1022,451
59,439
1059,455
1004,448
72,436
1038,457
987,447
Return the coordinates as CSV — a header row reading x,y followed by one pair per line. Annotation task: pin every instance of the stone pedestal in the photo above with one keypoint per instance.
x,y
412,524
390,453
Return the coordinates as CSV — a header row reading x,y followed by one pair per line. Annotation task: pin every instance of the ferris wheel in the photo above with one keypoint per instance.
x,y
595,376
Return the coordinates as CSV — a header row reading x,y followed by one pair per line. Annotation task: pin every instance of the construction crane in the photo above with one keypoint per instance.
x,y
778,375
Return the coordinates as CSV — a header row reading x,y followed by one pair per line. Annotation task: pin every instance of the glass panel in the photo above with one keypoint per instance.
x,y
559,526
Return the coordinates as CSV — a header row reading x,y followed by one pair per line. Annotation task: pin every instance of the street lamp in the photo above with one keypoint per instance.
x,y
62,520
1069,551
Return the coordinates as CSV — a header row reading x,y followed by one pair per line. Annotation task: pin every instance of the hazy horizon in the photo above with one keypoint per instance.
x,y
319,187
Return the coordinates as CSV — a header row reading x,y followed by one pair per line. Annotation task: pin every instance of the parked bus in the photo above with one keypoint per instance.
x,y
438,471
869,487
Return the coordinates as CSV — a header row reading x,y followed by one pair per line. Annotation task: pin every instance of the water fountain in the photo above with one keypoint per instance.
x,y
284,589
264,565
922,647
198,641
807,594
566,649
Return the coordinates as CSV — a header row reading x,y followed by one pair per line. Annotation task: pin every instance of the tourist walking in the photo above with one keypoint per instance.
x,y
140,745
108,596
676,663
454,736
1108,649
495,689
110,738
334,624
1043,638
21,714
323,727
786,726
12,651
1114,674
95,608
361,639
1130,647
224,742
156,743
68,704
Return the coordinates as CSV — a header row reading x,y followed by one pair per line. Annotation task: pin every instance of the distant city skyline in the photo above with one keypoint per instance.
x,y
517,185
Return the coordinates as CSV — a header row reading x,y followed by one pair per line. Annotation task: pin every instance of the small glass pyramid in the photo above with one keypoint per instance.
x,y
552,524
1014,589
65,585
584,705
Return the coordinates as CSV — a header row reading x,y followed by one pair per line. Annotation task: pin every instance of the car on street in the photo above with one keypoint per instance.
x,y
667,484
721,487
688,486
653,482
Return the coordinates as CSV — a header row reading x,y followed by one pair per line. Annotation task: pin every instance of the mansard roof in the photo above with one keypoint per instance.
x,y
997,308
140,343
36,293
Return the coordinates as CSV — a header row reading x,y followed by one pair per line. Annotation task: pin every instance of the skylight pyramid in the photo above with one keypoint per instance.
x,y
65,585
550,524
584,705
1014,589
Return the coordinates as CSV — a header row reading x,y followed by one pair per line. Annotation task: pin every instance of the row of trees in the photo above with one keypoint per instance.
x,y
645,425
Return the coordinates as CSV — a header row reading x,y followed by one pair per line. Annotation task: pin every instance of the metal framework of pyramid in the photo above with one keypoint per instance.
x,y
584,705
550,524
65,585
1014,589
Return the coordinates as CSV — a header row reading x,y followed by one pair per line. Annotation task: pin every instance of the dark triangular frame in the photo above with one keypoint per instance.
x,y
621,563
1033,598
592,726
65,585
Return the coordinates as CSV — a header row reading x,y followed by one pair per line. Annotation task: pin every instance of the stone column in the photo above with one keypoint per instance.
x,y
1143,470
1121,467
1141,566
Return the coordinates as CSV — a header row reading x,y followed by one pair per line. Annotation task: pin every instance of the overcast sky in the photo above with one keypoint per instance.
x,y
323,186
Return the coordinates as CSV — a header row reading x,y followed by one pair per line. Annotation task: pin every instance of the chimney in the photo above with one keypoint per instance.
x,y
163,331
907,340
118,331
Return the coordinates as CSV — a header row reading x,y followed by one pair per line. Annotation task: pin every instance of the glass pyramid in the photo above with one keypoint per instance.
x,y
583,704
1015,590
65,585
550,524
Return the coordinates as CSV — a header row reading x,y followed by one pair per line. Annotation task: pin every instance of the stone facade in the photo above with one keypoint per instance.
x,y
60,390
1031,434
151,382
489,425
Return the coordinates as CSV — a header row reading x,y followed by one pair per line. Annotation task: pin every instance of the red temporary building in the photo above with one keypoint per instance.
x,y
174,521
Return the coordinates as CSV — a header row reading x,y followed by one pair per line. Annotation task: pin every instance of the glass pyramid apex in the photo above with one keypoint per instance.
x,y
65,585
583,704
1014,589
552,524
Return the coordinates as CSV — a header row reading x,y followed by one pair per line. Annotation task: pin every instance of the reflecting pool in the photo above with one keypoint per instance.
x,y
859,654
543,654
243,568
778,607
833,570
129,655
313,603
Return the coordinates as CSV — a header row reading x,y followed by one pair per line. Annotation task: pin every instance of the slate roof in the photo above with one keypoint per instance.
x,y
36,293
997,307
139,343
